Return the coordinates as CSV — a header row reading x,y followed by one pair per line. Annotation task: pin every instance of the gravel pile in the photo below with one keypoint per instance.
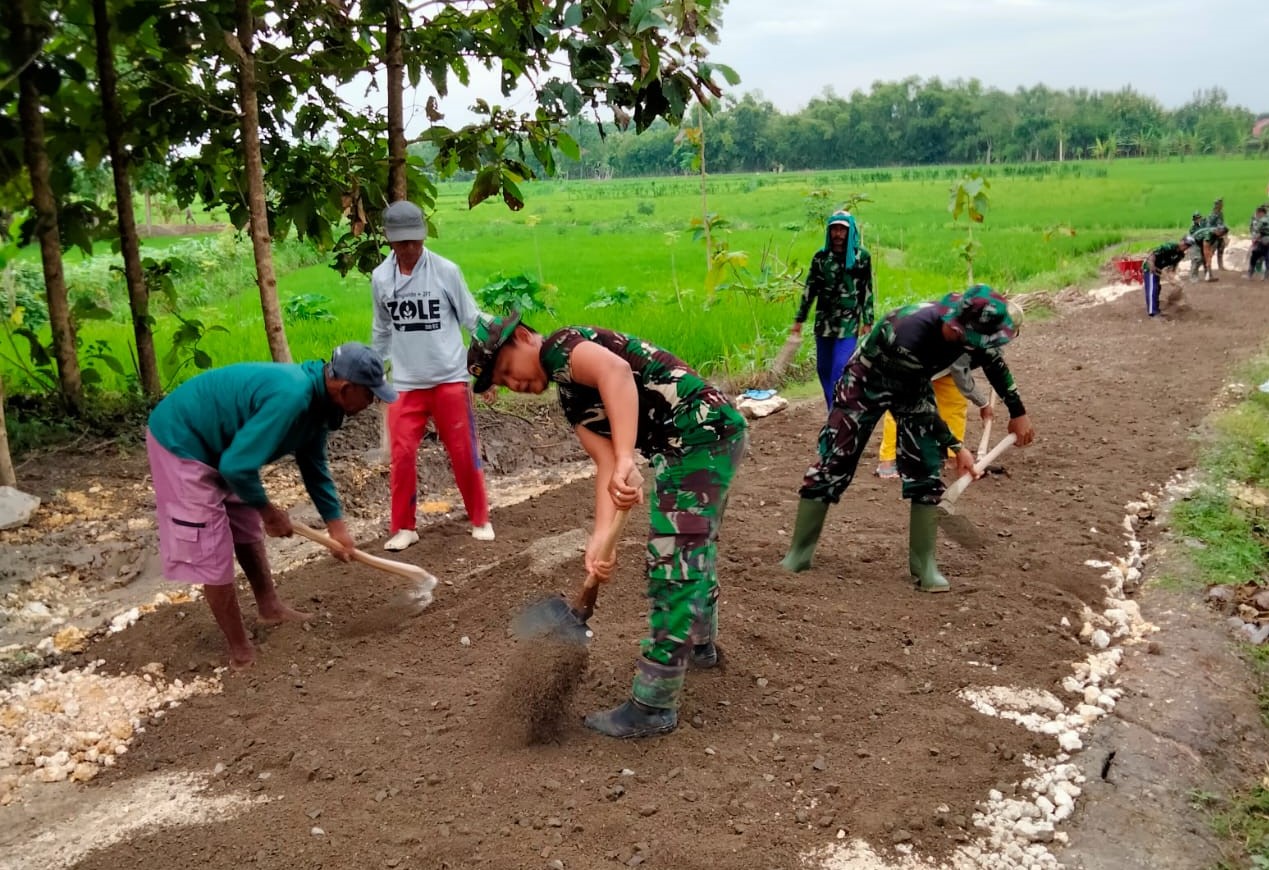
x,y
67,725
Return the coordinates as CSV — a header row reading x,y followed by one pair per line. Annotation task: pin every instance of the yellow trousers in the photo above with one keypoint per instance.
x,y
953,407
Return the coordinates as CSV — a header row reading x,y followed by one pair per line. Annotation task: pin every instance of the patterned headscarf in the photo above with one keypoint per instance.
x,y
980,315
852,235
490,334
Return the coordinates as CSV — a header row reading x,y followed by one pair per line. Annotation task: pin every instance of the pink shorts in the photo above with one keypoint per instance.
x,y
200,519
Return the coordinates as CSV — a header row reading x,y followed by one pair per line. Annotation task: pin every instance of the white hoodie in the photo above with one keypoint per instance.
x,y
417,319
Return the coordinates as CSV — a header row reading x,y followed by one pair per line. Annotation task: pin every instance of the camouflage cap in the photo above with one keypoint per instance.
x,y
490,334
980,315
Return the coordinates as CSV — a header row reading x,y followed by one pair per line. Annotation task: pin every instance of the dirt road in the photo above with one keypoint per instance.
x,y
837,715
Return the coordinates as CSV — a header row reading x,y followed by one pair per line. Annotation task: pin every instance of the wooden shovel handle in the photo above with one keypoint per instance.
x,y
954,491
986,439
585,602
401,569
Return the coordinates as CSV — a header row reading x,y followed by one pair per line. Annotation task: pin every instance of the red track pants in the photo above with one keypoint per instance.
x,y
450,406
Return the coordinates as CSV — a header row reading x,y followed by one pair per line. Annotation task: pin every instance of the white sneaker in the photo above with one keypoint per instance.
x,y
483,533
401,540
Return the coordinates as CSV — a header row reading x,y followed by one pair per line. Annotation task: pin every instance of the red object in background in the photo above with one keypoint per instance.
x,y
1129,269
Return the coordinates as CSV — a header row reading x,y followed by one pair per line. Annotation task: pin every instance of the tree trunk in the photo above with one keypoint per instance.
x,y
138,294
8,477
394,60
709,242
31,118
149,215
257,205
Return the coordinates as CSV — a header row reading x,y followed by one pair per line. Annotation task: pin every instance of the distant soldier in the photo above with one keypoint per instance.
x,y
1166,256
1216,223
1197,224
1259,243
1204,239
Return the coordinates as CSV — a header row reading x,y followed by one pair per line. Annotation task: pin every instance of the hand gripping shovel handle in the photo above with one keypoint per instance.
x,y
401,569
584,604
954,491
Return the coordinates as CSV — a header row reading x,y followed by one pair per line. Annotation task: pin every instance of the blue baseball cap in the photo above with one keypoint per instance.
x,y
358,364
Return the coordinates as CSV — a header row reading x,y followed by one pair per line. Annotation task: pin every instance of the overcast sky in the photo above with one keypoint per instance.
x,y
791,50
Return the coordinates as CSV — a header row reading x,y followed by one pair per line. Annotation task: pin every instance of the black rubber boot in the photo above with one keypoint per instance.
x,y
705,655
923,531
653,705
633,719
806,534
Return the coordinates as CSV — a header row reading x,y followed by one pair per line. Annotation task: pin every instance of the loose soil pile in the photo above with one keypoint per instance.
x,y
838,714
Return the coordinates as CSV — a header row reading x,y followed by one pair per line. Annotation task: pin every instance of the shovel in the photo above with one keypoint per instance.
x,y
556,617
420,595
957,527
785,356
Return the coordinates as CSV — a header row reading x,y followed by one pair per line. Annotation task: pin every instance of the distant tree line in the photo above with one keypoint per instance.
x,y
917,122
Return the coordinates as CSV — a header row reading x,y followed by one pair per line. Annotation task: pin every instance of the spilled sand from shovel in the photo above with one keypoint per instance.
x,y
538,691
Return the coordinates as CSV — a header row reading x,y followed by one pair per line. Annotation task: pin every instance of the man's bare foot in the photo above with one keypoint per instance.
x,y
276,613
240,659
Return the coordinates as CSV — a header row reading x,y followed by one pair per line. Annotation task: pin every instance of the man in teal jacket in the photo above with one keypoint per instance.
x,y
207,442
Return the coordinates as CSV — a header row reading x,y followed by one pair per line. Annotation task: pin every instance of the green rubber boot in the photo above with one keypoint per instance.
x,y
806,534
923,532
653,707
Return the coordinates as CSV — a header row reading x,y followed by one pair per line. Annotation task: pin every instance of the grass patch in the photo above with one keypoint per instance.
x,y
1232,532
1227,522
1245,820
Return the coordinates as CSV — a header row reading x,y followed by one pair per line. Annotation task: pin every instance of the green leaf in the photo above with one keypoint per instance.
x,y
573,15
202,359
511,192
111,363
729,74
39,355
568,146
485,185
87,309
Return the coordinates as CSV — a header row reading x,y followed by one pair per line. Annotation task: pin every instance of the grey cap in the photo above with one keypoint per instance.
x,y
403,222
358,364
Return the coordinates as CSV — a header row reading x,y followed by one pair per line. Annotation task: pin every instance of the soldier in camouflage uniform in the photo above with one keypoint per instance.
x,y
839,284
1259,230
891,372
1197,224
1166,256
1216,223
621,393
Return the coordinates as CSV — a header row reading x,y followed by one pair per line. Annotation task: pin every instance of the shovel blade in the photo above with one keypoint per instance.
x,y
551,618
960,529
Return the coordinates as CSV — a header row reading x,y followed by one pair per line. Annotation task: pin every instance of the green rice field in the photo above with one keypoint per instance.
x,y
622,254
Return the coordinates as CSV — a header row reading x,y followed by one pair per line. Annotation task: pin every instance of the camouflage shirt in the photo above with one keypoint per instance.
x,y
1163,257
907,345
1216,219
677,407
842,296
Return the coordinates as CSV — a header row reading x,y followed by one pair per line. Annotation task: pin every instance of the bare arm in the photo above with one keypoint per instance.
x,y
595,366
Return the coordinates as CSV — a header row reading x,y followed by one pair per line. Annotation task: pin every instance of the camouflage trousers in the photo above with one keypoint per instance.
x,y
862,396
687,511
